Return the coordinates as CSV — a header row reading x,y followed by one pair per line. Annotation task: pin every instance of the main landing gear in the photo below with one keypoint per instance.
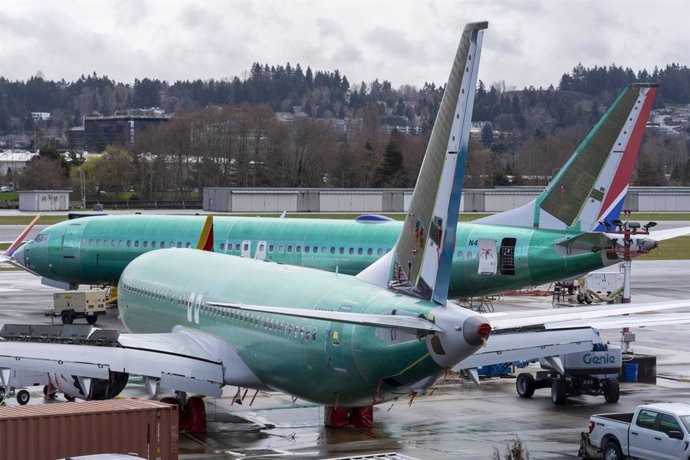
x,y
191,412
355,417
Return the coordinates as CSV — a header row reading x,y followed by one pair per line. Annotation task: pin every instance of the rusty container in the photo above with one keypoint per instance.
x,y
147,429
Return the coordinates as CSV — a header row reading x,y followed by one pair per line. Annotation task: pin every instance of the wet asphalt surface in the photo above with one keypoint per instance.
x,y
459,420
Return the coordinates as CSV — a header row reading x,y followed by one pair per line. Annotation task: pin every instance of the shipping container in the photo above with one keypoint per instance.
x,y
148,429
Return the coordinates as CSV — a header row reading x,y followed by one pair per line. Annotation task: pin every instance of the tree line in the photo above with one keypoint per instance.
x,y
225,133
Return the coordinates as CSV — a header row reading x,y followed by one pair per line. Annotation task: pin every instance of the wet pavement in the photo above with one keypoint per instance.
x,y
459,420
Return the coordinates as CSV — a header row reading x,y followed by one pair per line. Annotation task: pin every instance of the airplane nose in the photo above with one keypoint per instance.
x,y
19,256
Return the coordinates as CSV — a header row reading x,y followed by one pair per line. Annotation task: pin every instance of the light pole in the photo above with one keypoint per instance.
x,y
83,191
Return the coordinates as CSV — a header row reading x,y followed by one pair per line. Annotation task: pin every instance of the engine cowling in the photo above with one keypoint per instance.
x,y
100,389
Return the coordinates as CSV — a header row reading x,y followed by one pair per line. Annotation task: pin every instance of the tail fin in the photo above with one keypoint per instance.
x,y
7,255
206,238
592,184
421,259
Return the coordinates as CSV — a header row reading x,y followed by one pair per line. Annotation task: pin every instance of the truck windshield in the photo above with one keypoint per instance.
x,y
686,422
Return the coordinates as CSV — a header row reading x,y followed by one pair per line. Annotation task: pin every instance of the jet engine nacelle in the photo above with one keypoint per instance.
x,y
88,388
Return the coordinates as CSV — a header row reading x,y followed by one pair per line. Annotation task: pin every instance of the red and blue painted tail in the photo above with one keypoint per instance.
x,y
591,186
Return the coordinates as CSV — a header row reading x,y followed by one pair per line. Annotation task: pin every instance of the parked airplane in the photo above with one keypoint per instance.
x,y
201,320
531,245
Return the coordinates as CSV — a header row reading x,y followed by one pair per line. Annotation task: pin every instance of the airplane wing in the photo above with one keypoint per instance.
x,y
390,321
522,319
175,361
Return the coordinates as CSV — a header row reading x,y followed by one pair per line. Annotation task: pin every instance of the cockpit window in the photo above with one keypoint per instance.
x,y
41,237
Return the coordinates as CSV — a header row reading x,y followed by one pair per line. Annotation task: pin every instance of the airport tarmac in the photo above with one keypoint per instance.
x,y
459,420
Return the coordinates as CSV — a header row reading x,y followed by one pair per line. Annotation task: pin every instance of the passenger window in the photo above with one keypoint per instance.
x,y
146,243
351,251
646,419
313,335
316,249
179,244
669,423
469,255
188,245
306,249
245,247
98,242
113,243
359,251
289,249
162,244
105,243
153,244
370,251
261,246
298,249
342,250
271,247
281,248
323,249
121,243
379,252
222,246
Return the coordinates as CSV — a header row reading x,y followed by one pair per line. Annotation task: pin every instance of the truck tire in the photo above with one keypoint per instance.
x,y
525,385
66,317
612,391
612,450
92,319
559,391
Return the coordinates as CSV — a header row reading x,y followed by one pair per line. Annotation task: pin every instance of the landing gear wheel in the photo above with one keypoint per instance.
x,y
612,451
612,391
196,411
559,391
525,385
49,392
66,317
92,319
70,398
23,397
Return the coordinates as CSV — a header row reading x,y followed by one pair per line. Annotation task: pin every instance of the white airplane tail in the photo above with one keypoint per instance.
x,y
420,262
591,186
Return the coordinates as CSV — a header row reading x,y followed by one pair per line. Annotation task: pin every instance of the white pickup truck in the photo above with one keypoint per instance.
x,y
653,431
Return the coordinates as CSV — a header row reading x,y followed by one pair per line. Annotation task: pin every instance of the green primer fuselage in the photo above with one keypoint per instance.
x,y
325,362
96,250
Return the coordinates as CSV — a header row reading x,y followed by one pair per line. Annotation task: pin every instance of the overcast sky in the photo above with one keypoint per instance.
x,y
529,42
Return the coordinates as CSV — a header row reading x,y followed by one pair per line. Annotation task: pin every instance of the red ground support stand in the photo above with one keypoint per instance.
x,y
362,417
336,417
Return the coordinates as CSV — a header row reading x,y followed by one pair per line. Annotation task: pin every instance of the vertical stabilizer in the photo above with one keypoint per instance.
x,y
421,259
592,184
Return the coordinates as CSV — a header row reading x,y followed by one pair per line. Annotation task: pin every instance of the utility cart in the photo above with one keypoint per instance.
x,y
70,305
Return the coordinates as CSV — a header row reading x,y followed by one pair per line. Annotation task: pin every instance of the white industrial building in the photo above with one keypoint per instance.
x,y
14,160
224,199
44,200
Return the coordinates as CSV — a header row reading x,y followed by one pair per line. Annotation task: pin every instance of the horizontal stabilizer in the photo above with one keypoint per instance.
x,y
585,242
618,322
389,321
529,346
661,235
552,318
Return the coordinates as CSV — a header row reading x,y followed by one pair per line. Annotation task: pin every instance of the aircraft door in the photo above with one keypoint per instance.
x,y
71,241
487,257
260,250
246,249
334,353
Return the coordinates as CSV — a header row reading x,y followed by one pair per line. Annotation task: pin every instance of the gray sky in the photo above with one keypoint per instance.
x,y
529,42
